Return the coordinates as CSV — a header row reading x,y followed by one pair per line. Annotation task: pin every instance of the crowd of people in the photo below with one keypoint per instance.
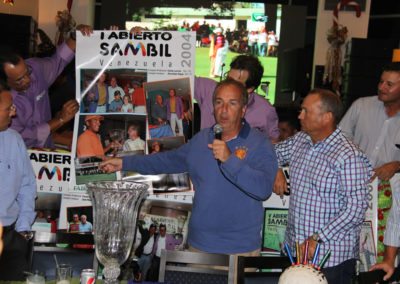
x,y
257,42
332,160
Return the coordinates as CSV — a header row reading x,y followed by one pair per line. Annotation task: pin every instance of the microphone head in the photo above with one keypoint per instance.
x,y
218,131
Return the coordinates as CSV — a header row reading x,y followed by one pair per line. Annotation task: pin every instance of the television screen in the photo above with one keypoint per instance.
x,y
223,31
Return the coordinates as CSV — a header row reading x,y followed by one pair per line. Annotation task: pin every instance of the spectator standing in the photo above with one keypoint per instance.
x,y
17,194
374,124
260,113
329,179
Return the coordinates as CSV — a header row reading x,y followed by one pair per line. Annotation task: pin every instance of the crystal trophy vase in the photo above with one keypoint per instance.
x,y
115,210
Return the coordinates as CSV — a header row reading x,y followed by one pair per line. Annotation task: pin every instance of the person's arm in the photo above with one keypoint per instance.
x,y
255,173
203,91
387,264
84,29
67,113
280,183
386,171
283,149
349,120
391,239
272,124
168,162
353,176
27,194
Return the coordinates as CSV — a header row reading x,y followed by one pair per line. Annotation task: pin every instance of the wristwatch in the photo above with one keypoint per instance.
x,y
27,235
315,237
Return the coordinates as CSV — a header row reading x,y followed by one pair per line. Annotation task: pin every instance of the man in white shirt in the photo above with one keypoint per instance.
x,y
144,251
374,124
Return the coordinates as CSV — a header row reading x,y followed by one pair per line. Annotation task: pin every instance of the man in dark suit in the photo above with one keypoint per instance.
x,y
162,241
145,248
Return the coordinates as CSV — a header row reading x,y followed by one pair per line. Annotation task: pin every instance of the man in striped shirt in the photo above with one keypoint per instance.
x,y
328,179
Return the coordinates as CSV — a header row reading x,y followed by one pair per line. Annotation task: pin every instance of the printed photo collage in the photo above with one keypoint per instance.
x,y
123,114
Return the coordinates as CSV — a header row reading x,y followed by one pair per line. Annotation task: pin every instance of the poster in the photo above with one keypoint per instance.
x,y
121,78
367,247
275,222
136,70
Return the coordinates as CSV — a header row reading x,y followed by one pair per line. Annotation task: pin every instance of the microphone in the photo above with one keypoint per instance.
x,y
217,129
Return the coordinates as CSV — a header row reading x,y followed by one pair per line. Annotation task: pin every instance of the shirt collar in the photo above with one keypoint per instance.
x,y
330,140
243,133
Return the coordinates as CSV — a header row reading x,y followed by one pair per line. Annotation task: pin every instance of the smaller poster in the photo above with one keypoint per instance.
x,y
275,222
367,247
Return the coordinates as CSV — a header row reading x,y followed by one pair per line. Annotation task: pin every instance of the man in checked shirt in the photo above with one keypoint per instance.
x,y
328,179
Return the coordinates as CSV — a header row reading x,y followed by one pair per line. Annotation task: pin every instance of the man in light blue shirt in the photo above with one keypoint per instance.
x,y
85,226
17,194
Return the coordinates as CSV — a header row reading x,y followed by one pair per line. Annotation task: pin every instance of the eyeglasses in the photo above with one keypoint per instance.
x,y
27,73
11,108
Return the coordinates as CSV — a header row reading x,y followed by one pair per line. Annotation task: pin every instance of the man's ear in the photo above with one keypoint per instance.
x,y
328,117
250,90
244,111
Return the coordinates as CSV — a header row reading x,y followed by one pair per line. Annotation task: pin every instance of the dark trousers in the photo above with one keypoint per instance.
x,y
14,259
152,275
343,273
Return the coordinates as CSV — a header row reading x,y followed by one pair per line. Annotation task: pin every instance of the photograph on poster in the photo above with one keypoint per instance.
x,y
80,219
106,135
275,222
168,183
367,247
174,215
112,90
169,105
47,206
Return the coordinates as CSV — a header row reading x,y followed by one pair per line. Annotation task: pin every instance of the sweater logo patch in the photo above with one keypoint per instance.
x,y
241,152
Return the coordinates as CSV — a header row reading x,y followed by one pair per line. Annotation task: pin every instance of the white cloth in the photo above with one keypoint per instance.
x,y
175,120
368,125
161,245
133,145
148,248
127,108
392,235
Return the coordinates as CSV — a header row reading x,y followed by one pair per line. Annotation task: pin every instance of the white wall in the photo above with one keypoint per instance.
x,y
25,8
357,27
44,12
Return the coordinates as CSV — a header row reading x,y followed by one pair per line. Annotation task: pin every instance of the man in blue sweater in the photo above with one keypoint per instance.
x,y
231,176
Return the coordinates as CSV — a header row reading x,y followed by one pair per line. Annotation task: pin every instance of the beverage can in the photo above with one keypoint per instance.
x,y
88,276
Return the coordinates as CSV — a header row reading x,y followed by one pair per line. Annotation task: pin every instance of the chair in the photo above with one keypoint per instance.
x,y
261,263
372,277
182,267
